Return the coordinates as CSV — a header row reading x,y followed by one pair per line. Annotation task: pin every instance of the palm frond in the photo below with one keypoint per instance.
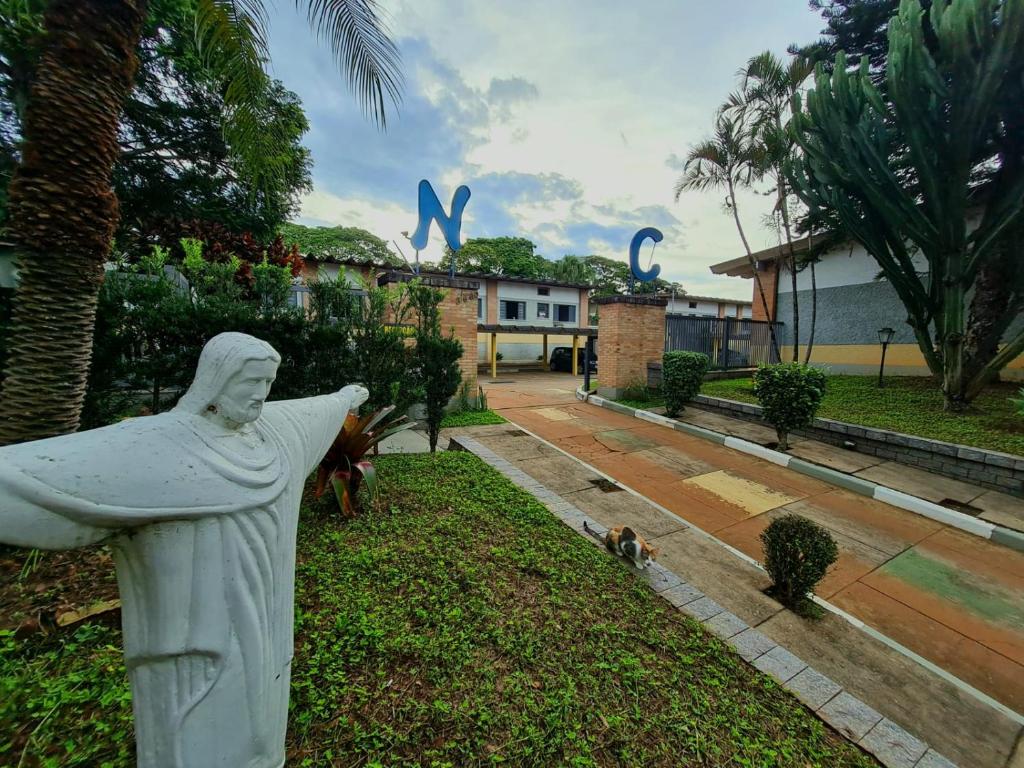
x,y
368,58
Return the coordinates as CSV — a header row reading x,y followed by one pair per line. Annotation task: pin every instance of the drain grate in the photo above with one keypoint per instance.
x,y
606,486
957,506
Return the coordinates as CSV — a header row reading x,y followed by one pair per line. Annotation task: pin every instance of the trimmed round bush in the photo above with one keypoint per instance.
x,y
790,394
681,377
797,554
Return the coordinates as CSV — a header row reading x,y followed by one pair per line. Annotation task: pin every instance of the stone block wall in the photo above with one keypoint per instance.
x,y
631,331
990,469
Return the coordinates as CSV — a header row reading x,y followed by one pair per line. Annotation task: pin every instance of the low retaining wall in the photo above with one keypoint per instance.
x,y
1000,471
654,374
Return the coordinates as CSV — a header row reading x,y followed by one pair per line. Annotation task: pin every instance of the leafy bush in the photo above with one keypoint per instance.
x,y
790,394
437,358
344,465
682,374
1019,402
797,554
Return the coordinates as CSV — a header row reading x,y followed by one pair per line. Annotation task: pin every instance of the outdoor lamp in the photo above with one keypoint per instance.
x,y
884,338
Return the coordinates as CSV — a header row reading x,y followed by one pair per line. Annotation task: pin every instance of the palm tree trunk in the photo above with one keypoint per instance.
x,y
792,265
753,267
63,210
814,310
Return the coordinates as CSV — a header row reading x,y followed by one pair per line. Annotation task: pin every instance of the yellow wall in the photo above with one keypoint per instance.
x,y
899,358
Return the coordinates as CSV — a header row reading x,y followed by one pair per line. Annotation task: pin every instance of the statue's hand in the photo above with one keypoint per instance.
x,y
356,393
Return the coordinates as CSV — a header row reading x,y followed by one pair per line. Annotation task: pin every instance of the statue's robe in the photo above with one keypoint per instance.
x,y
203,529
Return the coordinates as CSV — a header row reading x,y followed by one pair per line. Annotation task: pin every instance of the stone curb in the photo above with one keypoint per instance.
x,y
891,745
981,528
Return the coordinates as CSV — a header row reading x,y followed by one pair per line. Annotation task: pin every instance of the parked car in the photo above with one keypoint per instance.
x,y
561,360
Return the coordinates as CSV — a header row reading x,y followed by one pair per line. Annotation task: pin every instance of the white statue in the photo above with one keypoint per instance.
x,y
200,506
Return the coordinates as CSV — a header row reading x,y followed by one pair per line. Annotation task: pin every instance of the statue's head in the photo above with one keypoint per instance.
x,y
233,378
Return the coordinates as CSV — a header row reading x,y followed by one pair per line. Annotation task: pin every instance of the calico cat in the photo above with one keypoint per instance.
x,y
625,542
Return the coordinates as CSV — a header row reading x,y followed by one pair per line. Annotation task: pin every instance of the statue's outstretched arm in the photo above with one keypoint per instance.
x,y
25,524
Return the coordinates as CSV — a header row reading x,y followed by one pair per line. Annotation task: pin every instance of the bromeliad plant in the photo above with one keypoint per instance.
x,y
344,466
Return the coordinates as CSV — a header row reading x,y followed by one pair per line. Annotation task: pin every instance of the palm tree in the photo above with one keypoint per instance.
x,y
572,269
62,208
768,86
726,161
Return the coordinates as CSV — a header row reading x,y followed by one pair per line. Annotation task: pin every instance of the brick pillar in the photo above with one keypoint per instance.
x,y
631,334
770,282
458,314
584,318
491,308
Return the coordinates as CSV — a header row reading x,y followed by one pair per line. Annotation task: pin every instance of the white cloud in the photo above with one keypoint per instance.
x,y
603,96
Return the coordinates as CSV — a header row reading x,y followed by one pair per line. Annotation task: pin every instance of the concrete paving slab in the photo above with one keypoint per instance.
x,y
1001,509
623,508
713,570
933,759
893,746
560,473
681,594
830,456
917,482
407,441
733,491
726,625
660,578
850,716
812,687
902,690
780,664
703,609
750,644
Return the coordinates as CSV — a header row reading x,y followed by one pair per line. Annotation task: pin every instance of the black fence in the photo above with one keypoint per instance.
x,y
729,342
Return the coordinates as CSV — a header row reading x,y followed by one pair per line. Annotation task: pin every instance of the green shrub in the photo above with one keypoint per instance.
x,y
1019,402
797,554
681,377
437,357
790,394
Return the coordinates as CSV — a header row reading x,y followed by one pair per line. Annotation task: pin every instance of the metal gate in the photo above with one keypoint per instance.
x,y
729,342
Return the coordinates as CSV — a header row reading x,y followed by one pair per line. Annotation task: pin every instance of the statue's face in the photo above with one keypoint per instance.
x,y
243,397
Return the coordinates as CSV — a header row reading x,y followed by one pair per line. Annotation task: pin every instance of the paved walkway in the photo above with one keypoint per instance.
x,y
956,600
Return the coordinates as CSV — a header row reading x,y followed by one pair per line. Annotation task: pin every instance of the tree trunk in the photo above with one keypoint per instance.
x,y
753,266
814,312
792,268
63,210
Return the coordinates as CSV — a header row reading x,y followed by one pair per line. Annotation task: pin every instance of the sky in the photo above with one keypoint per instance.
x,y
567,119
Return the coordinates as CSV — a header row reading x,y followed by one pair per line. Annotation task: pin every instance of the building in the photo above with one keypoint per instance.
x,y
853,302
707,306
501,300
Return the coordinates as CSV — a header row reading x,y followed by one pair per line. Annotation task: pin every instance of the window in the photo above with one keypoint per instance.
x,y
543,291
693,305
543,310
513,310
565,313
479,308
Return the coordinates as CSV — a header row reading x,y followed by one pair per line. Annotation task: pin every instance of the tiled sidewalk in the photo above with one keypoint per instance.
x,y
892,745
956,600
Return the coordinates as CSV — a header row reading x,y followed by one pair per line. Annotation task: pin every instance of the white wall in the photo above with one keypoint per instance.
x,y
528,293
847,264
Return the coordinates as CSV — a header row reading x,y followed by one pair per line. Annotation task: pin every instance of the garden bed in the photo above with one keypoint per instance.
x,y
471,419
456,624
910,405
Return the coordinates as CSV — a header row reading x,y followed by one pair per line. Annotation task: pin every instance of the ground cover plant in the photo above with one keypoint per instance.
x,y
431,632
471,419
911,405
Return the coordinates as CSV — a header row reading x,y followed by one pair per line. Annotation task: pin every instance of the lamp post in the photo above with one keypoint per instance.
x,y
416,269
884,338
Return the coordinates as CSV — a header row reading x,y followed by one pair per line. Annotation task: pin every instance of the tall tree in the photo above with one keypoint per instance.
x,y
572,269
340,244
726,161
957,199
768,87
175,162
63,211
513,256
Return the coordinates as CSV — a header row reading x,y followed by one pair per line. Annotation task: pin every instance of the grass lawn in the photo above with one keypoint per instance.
x,y
457,624
471,419
912,405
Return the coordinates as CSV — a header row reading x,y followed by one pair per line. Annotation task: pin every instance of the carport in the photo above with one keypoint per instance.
x,y
541,330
